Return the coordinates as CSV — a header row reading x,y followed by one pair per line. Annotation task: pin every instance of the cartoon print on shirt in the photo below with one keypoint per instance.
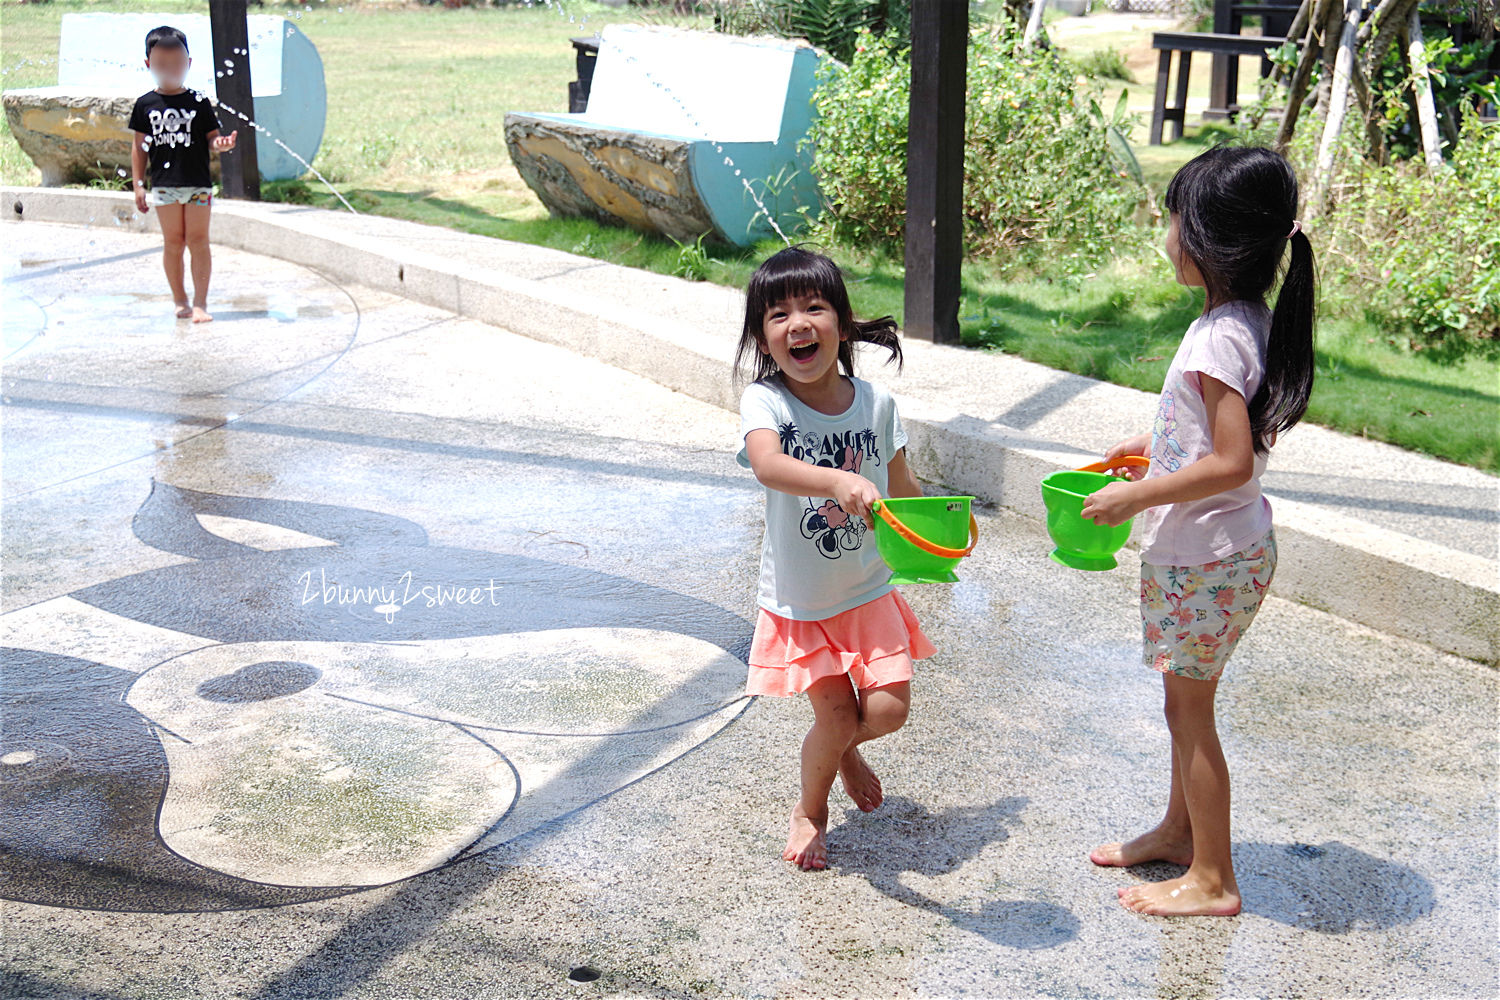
x,y
832,529
1164,446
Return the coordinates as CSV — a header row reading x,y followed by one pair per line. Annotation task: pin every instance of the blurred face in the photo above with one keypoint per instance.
x,y
802,336
1186,271
168,65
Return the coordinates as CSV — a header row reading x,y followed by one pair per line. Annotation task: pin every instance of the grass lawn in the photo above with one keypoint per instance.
x,y
417,98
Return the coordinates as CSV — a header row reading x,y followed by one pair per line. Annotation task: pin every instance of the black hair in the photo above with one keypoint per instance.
x,y
796,271
167,37
1235,207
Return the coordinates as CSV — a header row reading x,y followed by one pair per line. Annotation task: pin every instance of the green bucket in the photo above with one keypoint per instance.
x,y
922,538
1081,543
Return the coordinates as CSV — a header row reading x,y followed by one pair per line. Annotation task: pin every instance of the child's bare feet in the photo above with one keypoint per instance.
x,y
859,781
806,842
1153,845
1180,897
200,315
184,311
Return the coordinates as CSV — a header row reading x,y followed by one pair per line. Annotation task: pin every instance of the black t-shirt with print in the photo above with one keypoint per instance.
x,y
176,127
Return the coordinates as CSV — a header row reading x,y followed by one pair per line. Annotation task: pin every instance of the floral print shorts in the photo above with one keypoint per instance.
x,y
1193,616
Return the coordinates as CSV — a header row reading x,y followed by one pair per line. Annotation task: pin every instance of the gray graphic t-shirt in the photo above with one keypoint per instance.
x,y
817,559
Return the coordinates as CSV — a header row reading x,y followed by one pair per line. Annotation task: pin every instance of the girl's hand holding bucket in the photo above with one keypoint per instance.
x,y
1114,504
855,494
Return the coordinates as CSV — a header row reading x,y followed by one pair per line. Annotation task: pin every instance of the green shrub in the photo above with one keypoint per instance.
x,y
1413,250
832,25
1103,63
1047,174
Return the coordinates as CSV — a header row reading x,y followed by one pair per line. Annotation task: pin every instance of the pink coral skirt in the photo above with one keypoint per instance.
x,y
874,644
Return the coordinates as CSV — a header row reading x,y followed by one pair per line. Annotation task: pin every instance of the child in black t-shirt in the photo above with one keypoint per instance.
x,y
176,128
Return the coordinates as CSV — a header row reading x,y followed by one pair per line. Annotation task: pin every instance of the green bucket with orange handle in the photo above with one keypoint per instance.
x,y
1080,543
922,538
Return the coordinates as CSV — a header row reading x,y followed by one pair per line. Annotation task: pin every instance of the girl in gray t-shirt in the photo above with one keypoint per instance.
x,y
826,445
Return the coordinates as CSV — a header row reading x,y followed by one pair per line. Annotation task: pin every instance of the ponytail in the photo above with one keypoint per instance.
x,y
1286,386
881,332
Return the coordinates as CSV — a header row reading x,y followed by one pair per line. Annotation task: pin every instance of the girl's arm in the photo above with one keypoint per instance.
x,y
780,471
138,172
901,482
1229,466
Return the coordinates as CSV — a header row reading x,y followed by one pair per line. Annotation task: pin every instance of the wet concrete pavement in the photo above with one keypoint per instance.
x,y
246,753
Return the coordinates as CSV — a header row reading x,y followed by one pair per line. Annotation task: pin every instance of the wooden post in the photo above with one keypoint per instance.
x,y
239,173
935,169
1223,82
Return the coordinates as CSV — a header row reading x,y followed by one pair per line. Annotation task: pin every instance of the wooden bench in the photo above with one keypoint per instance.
x,y
1276,18
587,49
1184,44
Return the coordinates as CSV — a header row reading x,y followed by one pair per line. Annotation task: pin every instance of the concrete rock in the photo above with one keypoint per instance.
x,y
74,136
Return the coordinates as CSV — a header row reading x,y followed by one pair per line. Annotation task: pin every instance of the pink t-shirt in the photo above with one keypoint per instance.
x,y
1228,343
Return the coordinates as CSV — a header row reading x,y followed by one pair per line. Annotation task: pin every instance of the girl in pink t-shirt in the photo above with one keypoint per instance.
x,y
1243,374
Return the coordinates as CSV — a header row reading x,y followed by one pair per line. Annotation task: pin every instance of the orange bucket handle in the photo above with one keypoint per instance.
x,y
932,548
1137,461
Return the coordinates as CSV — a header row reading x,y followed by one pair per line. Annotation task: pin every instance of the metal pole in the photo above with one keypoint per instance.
x,y
935,169
239,172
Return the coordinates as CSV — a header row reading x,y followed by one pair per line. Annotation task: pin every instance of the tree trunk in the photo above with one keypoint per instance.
x,y
1374,137
1034,23
1422,86
1299,27
1380,30
1338,105
1297,89
1332,20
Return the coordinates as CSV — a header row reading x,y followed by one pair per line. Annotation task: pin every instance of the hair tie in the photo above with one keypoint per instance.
x,y
1296,228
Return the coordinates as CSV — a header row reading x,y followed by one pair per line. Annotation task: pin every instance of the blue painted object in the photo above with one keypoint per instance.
x,y
667,108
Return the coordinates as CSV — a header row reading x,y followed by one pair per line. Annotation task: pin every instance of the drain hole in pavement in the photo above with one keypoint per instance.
x,y
260,682
1306,851
583,974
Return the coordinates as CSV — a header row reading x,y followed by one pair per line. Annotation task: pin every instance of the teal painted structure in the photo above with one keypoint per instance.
x,y
745,100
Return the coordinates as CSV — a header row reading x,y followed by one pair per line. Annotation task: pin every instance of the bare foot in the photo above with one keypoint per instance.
x,y
859,781
1153,845
184,311
1180,897
806,844
200,315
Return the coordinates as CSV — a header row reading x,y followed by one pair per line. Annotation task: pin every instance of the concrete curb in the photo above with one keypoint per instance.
x,y
1360,571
